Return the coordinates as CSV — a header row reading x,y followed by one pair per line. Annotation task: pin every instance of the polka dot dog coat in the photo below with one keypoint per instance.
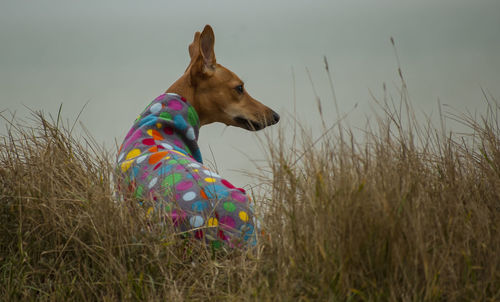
x,y
160,161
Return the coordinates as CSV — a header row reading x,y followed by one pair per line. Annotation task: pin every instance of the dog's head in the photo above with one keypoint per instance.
x,y
219,94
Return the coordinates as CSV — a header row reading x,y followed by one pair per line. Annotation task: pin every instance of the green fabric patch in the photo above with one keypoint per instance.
x,y
183,161
229,206
165,116
172,162
193,118
179,161
216,244
171,180
138,191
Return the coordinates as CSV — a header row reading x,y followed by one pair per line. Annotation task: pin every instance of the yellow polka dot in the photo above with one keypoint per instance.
x,y
158,125
243,216
210,179
178,153
133,153
126,165
196,170
212,222
149,212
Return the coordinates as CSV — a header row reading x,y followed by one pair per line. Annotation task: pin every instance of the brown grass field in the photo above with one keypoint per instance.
x,y
407,212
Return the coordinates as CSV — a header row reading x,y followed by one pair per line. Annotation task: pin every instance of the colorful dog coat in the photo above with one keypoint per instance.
x,y
160,161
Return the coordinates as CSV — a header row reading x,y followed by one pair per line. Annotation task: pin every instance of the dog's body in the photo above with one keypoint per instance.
x,y
160,159
162,162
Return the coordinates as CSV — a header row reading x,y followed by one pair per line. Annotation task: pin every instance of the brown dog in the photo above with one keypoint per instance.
x,y
160,160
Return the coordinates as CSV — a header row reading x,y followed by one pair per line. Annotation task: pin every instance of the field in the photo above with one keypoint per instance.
x,y
406,212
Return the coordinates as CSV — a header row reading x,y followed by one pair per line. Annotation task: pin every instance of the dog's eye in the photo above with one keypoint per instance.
x,y
239,88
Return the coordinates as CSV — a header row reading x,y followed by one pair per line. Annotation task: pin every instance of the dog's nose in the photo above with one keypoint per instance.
x,y
276,117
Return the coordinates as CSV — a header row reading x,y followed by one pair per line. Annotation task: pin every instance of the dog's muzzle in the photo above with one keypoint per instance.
x,y
254,125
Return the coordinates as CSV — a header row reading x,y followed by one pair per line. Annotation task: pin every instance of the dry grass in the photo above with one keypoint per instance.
x,y
406,213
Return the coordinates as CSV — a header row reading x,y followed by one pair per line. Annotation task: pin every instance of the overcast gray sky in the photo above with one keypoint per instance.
x,y
119,55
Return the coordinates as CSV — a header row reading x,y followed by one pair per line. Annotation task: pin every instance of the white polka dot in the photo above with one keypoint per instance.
x,y
155,108
153,182
189,196
166,146
210,173
141,159
196,221
173,94
190,134
193,165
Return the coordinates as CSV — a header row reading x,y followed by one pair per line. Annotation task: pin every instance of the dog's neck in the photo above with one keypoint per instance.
x,y
168,123
183,86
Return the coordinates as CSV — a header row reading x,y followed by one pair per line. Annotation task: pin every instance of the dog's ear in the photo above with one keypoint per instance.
x,y
202,54
207,41
194,47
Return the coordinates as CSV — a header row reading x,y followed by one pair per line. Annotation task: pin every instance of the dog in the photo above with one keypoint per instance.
x,y
160,161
